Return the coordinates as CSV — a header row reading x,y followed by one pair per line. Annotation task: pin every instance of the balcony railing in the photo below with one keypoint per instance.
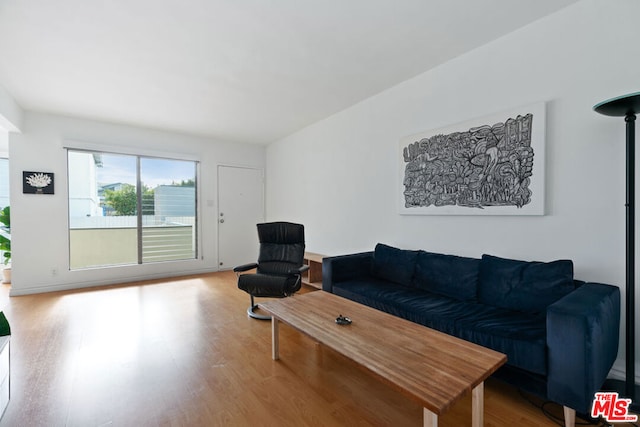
x,y
94,247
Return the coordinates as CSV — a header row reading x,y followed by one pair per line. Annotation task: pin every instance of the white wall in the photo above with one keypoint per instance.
x,y
338,176
11,113
39,223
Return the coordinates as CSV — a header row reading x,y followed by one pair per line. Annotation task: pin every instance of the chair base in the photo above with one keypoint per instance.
x,y
254,315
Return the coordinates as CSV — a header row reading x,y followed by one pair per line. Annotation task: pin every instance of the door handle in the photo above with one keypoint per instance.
x,y
222,221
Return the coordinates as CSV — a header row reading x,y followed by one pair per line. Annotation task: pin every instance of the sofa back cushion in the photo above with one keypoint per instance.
x,y
393,264
448,275
523,286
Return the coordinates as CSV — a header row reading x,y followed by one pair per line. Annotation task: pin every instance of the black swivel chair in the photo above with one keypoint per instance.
x,y
279,267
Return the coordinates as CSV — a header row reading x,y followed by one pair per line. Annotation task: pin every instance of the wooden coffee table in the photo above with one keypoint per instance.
x,y
428,366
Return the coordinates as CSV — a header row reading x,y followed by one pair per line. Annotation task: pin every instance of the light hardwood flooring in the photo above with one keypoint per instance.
x,y
182,352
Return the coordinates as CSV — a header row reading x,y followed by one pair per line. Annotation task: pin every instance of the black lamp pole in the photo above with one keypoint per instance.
x,y
627,106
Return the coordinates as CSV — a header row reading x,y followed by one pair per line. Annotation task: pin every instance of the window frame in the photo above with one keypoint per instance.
x,y
138,155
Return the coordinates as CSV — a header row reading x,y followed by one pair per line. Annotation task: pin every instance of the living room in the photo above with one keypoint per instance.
x,y
338,174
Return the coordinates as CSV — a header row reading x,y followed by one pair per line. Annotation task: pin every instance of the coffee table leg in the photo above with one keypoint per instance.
x,y
430,419
477,405
275,338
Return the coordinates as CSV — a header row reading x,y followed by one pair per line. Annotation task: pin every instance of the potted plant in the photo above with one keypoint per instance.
x,y
5,243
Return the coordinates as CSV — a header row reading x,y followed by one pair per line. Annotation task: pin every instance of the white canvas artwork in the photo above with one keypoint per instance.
x,y
493,165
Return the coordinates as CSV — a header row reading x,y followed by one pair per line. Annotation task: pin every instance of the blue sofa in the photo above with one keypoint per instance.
x,y
560,335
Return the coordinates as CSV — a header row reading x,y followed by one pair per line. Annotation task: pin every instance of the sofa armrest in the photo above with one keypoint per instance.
x,y
345,267
582,340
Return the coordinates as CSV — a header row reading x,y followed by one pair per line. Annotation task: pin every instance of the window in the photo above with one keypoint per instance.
x,y
4,201
4,182
127,209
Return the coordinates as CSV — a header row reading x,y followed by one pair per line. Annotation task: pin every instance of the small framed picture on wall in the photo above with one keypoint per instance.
x,y
37,182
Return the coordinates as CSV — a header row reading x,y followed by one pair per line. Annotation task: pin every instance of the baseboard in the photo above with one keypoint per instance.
x,y
616,372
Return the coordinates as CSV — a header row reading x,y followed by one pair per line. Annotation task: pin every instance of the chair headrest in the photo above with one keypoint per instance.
x,y
281,232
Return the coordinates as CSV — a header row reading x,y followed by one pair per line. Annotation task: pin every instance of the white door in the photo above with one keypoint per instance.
x,y
240,208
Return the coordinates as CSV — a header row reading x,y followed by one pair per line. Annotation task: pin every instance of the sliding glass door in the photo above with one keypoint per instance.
x,y
126,209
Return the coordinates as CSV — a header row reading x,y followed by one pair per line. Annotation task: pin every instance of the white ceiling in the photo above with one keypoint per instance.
x,y
239,70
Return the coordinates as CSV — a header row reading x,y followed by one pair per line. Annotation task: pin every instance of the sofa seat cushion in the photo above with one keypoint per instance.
x,y
520,336
413,304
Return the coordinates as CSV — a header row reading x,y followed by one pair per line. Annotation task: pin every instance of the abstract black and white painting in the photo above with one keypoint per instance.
x,y
492,165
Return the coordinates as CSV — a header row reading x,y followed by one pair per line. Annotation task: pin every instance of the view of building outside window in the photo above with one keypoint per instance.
x,y
104,206
4,201
4,182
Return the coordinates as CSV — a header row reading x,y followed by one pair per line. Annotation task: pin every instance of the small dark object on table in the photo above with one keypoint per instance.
x,y
341,320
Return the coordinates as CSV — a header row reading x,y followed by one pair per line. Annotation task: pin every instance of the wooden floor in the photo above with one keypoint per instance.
x,y
182,352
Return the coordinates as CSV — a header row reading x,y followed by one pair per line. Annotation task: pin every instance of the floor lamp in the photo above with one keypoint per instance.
x,y
627,106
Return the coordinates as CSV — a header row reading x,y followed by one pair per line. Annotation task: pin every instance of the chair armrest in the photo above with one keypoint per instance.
x,y
245,267
345,267
298,271
582,340
303,268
